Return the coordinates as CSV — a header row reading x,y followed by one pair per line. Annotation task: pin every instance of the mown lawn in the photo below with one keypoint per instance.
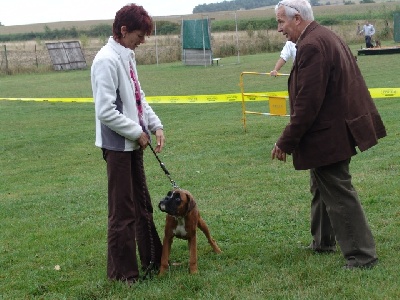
x,y
53,197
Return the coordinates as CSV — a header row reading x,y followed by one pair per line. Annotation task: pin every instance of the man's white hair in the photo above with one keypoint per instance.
x,y
300,7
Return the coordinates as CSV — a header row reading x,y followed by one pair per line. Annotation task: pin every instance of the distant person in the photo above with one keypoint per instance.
x,y
329,118
288,52
124,122
368,30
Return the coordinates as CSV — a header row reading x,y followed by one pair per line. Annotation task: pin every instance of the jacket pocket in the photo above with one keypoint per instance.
x,y
363,131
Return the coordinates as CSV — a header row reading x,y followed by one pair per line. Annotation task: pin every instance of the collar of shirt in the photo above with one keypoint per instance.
x,y
301,34
125,53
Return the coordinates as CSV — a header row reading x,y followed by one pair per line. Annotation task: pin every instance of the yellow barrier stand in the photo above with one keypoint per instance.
x,y
277,106
277,102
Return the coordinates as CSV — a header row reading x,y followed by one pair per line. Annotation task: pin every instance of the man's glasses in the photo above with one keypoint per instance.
x,y
283,4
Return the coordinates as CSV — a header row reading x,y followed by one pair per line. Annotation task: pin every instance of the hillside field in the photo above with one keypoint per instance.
x,y
267,12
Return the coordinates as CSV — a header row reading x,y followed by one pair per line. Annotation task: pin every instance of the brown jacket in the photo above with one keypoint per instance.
x,y
331,108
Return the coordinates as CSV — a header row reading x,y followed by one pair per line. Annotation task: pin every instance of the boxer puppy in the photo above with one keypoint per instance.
x,y
182,220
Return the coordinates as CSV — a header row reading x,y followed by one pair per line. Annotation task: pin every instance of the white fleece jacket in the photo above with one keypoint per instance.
x,y
117,121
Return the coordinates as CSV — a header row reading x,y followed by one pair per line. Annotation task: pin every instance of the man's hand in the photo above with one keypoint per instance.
x,y
273,73
278,153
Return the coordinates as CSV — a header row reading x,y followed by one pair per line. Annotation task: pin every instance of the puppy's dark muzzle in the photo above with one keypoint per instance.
x,y
169,205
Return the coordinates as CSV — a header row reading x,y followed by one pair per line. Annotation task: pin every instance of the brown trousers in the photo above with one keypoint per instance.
x,y
130,216
337,214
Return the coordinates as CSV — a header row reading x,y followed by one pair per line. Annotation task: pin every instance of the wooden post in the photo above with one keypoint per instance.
x,y
37,64
5,54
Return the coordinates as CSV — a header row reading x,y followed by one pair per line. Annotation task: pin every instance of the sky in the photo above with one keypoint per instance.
x,y
23,12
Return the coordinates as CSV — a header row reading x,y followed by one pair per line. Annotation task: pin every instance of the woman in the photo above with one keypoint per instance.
x,y
124,122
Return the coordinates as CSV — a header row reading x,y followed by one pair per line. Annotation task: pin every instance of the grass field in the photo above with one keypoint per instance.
x,y
53,207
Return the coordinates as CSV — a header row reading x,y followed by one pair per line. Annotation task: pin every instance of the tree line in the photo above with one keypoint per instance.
x,y
163,28
233,5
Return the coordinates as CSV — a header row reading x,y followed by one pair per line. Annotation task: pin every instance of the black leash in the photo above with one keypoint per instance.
x,y
152,268
150,271
174,185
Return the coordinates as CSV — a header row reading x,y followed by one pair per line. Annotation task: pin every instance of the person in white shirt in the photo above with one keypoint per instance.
x,y
288,51
368,30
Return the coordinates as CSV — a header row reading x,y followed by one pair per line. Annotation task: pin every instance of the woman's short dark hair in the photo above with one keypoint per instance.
x,y
134,17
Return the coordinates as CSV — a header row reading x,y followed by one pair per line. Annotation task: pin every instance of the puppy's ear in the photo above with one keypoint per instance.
x,y
191,202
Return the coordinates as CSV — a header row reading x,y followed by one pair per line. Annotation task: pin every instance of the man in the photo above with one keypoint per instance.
x,y
369,31
332,112
288,51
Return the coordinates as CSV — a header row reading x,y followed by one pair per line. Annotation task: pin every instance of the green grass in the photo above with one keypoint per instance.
x,y
53,193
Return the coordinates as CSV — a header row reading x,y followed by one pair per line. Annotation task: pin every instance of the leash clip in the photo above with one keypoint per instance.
x,y
174,185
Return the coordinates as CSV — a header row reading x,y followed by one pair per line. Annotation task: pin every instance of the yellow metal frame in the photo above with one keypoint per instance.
x,y
277,104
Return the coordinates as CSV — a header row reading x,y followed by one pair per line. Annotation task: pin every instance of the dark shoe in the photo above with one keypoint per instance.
x,y
128,281
325,249
352,264
131,281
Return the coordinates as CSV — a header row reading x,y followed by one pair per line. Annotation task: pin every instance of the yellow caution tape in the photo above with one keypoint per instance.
x,y
195,98
51,99
376,93
385,93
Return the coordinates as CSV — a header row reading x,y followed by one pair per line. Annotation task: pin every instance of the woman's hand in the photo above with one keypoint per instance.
x,y
160,139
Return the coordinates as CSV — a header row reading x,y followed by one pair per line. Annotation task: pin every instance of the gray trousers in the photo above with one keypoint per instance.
x,y
130,216
337,215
